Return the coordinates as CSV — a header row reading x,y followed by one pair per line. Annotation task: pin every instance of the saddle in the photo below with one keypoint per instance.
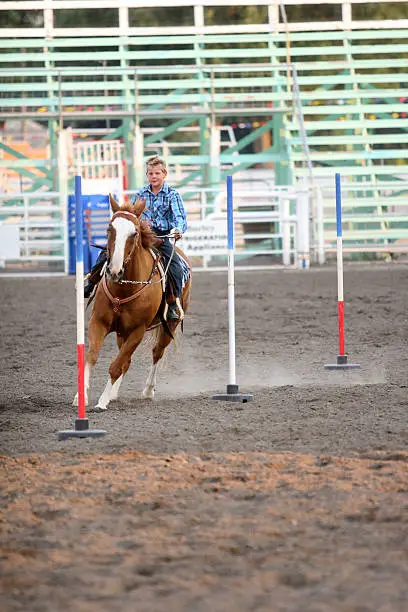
x,y
97,271
168,294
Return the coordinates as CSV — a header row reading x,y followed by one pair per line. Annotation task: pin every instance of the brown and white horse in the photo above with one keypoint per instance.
x,y
128,300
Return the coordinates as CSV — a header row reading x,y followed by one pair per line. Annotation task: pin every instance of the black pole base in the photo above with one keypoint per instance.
x,y
342,364
81,431
233,395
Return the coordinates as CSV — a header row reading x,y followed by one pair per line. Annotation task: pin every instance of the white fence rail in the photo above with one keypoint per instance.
x,y
274,224
374,216
33,232
121,25
270,223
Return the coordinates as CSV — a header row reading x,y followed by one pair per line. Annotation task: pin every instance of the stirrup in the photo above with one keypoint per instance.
x,y
172,314
180,308
89,290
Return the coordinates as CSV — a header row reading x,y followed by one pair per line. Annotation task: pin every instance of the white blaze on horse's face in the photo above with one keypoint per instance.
x,y
124,229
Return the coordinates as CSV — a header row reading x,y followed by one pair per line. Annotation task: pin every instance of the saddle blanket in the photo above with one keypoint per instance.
x,y
185,267
183,264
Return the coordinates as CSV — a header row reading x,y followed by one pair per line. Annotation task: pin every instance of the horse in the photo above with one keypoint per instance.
x,y
129,300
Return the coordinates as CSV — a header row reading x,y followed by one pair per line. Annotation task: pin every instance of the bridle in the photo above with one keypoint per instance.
x,y
156,259
126,213
117,302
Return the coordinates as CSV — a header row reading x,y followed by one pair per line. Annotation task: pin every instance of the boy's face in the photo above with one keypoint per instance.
x,y
156,176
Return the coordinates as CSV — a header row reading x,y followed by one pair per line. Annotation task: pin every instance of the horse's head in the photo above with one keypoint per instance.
x,y
124,233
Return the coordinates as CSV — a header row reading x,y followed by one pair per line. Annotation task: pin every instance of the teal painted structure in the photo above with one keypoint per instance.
x,y
319,99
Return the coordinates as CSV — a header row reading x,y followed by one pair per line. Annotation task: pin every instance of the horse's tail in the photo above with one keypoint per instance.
x,y
91,298
162,308
186,293
94,292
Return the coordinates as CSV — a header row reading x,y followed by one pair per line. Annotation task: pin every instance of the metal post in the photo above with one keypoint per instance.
x,y
232,393
303,242
341,357
138,142
81,429
215,141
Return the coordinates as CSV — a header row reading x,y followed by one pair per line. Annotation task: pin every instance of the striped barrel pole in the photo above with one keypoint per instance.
x,y
341,357
232,393
80,297
81,428
340,287
231,286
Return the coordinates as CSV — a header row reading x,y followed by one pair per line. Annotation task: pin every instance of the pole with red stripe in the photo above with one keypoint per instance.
x,y
341,357
80,298
81,428
340,287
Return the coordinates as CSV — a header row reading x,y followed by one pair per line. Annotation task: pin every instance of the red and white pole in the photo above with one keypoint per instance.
x,y
341,357
80,305
81,429
340,286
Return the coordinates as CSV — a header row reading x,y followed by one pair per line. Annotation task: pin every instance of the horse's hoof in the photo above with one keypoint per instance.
x,y
100,407
148,393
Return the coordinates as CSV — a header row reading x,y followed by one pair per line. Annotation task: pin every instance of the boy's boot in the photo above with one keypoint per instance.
x,y
94,276
88,287
173,313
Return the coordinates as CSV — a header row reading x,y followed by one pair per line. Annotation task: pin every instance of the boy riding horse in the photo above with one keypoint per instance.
x,y
166,214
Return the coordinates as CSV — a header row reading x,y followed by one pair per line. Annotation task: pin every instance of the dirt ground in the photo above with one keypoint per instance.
x,y
296,501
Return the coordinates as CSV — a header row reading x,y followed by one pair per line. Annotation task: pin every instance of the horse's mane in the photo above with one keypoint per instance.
x,y
147,236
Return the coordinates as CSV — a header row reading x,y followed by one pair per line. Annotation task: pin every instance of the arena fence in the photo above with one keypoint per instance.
x,y
302,99
42,228
272,226
33,233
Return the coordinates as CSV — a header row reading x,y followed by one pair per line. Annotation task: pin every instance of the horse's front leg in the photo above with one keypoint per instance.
x,y
120,366
162,341
114,394
115,388
97,333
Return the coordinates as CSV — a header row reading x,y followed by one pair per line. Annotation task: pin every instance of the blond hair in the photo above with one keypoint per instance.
x,y
155,161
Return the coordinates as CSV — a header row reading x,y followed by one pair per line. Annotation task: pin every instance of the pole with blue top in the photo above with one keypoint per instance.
x,y
81,427
232,393
341,357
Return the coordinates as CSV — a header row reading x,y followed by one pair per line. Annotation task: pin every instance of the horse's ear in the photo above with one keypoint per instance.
x,y
114,204
138,207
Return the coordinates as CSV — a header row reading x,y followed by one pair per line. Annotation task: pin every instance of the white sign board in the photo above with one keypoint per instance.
x,y
101,186
9,241
206,237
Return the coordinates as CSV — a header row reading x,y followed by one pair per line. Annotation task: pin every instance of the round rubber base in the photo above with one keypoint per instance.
x,y
81,430
78,433
342,364
233,395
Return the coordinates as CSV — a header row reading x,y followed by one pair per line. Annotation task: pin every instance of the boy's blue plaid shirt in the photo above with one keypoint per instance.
x,y
164,210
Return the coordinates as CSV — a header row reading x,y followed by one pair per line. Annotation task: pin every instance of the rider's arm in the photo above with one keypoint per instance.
x,y
176,232
178,212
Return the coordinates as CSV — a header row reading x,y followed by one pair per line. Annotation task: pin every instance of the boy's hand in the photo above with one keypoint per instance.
x,y
176,233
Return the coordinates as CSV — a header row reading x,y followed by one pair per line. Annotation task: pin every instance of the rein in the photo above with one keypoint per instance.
x,y
132,282
117,302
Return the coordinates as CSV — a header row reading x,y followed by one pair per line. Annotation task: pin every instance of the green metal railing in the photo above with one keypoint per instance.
x,y
333,97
